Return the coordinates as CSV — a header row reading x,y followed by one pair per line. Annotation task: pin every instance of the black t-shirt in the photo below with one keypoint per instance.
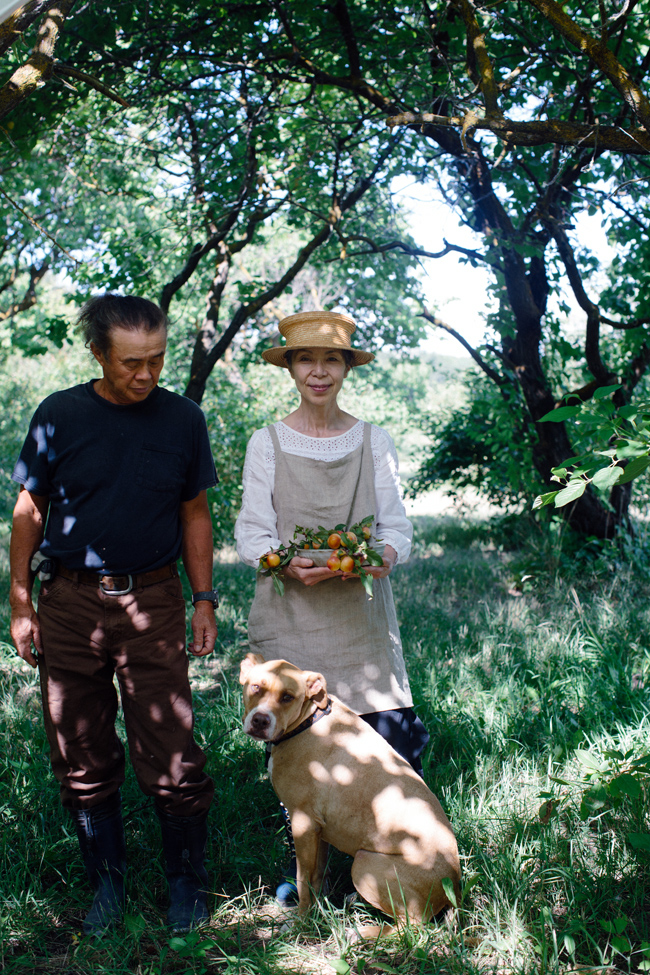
x,y
115,476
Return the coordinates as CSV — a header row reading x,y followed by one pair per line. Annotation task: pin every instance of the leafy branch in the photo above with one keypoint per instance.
x,y
628,452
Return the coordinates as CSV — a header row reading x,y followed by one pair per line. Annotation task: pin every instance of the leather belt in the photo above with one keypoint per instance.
x,y
119,585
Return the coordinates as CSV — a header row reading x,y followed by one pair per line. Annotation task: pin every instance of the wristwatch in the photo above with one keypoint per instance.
x,y
211,596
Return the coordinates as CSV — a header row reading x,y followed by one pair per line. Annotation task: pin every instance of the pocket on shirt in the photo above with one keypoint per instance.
x,y
160,469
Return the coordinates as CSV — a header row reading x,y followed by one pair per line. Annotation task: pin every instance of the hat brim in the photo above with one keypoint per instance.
x,y
276,355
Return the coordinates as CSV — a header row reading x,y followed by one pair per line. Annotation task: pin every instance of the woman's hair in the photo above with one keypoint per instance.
x,y
348,356
101,315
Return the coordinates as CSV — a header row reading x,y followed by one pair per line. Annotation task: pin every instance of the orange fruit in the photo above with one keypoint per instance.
x,y
272,560
316,543
334,540
334,563
352,537
347,563
367,532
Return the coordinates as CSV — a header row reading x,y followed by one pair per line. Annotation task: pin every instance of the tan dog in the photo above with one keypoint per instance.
x,y
343,784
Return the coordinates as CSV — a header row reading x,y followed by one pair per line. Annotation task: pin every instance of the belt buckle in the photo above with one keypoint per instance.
x,y
116,592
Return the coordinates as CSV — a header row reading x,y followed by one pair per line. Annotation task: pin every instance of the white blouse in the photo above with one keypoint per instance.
x,y
256,528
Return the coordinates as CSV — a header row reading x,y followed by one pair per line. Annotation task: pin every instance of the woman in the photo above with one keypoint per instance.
x,y
322,466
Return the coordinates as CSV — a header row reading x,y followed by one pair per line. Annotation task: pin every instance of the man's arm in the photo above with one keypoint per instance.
x,y
30,515
197,559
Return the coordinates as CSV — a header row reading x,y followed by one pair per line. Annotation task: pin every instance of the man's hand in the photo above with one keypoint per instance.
x,y
30,515
197,559
204,629
25,630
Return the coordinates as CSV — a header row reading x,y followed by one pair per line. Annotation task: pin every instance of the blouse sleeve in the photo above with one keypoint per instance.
x,y
393,527
256,528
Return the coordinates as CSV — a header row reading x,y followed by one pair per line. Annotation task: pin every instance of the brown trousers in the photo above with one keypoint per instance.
x,y
88,637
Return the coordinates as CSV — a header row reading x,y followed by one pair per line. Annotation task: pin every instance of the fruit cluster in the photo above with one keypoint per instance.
x,y
349,551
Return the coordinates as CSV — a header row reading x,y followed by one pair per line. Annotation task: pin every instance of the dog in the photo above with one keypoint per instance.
x,y
344,785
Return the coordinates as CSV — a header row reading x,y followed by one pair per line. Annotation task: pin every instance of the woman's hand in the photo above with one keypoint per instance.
x,y
304,570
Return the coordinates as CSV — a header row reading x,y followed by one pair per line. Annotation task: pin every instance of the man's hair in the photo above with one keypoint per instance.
x,y
101,315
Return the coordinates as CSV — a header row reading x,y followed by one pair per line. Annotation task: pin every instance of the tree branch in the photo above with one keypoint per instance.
x,y
342,14
476,356
37,69
29,298
20,21
68,71
536,133
595,364
374,248
198,379
600,55
477,49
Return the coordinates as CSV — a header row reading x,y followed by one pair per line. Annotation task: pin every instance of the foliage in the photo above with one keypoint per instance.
x,y
217,192
254,158
482,444
456,79
628,453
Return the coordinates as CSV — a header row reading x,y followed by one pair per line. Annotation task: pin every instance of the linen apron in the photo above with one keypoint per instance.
x,y
333,627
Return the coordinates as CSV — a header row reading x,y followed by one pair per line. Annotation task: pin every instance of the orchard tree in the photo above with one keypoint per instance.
x,y
219,190
277,128
523,114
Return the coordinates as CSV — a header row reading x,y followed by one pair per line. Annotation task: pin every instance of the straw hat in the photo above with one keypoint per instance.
x,y
316,330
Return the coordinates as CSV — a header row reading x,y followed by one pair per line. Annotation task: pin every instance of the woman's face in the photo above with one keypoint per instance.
x,y
318,374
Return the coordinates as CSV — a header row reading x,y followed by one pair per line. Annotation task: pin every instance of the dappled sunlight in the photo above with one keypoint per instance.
x,y
141,621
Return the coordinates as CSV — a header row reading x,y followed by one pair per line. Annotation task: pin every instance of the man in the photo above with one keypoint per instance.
x,y
113,477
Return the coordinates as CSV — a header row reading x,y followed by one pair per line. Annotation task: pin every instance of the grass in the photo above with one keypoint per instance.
x,y
530,663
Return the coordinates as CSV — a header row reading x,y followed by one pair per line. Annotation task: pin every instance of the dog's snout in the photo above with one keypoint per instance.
x,y
260,722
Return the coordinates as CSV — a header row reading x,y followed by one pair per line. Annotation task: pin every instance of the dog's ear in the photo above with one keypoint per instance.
x,y
316,689
250,660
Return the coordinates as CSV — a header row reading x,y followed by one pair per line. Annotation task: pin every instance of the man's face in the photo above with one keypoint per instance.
x,y
132,365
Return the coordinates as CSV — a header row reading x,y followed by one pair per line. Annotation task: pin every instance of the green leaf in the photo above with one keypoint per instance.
x,y
340,966
560,414
625,785
374,558
448,887
543,499
278,584
570,944
135,924
634,468
622,945
589,761
628,411
639,841
604,391
367,581
607,477
573,491
617,926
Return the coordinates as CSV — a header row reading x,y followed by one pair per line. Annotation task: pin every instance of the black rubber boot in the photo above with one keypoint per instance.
x,y
286,893
100,832
184,839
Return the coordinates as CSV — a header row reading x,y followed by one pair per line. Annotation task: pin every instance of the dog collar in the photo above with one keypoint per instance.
x,y
307,723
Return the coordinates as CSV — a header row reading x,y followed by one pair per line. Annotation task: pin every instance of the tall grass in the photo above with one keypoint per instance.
x,y
529,663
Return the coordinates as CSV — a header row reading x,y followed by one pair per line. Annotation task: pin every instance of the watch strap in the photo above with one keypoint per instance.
x,y
209,595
